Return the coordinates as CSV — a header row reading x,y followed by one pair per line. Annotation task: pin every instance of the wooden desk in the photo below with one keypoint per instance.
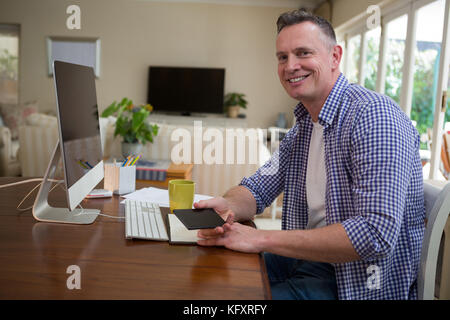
x,y
175,171
34,258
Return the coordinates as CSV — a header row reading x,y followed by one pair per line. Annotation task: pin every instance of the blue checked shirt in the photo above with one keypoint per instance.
x,y
374,188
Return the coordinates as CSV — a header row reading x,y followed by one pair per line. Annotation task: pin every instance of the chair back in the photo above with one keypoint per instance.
x,y
437,205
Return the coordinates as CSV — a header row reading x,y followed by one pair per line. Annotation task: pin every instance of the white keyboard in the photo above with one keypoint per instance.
x,y
143,220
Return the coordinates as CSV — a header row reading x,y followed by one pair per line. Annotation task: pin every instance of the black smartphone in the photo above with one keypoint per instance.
x,y
199,218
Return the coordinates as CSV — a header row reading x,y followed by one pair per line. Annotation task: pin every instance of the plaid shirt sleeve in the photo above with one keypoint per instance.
x,y
268,181
381,155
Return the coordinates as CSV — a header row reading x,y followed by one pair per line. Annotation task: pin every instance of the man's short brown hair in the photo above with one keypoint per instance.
x,y
301,15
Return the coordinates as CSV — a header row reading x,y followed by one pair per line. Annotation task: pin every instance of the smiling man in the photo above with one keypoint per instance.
x,y
353,207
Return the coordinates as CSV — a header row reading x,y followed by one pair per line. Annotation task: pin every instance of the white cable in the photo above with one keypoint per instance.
x,y
100,214
59,182
26,181
36,186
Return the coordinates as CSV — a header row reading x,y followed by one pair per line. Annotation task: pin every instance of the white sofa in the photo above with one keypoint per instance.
x,y
38,138
9,163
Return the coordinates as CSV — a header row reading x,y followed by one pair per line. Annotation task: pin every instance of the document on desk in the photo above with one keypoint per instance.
x,y
157,195
179,233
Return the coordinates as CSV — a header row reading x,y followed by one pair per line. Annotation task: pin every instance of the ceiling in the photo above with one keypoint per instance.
x,y
308,4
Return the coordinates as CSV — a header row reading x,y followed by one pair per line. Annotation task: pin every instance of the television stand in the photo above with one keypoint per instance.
x,y
207,120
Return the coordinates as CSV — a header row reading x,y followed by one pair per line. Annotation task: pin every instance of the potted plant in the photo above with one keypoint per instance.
x,y
233,101
132,125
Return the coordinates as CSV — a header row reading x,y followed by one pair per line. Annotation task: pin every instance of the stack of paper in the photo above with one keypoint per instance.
x,y
179,233
159,196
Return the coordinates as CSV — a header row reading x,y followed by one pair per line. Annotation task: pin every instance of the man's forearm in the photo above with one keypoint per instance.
x,y
241,202
327,244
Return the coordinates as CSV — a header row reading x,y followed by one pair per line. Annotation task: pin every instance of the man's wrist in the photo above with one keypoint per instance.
x,y
241,201
263,241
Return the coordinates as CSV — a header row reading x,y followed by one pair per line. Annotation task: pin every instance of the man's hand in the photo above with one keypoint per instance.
x,y
220,205
235,237
237,204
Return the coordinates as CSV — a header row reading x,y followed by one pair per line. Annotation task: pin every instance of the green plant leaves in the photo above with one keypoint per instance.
x,y
155,129
110,110
138,119
235,99
131,122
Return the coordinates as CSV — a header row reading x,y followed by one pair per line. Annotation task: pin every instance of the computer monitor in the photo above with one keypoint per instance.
x,y
79,145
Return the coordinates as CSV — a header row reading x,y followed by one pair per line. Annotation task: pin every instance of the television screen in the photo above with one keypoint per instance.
x,y
186,90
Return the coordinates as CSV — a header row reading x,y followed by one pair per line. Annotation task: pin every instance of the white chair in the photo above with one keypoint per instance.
x,y
437,204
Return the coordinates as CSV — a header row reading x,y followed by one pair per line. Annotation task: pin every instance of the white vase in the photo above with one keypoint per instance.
x,y
233,111
132,149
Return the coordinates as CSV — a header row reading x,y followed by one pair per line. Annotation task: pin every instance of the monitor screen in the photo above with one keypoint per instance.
x,y
186,90
79,120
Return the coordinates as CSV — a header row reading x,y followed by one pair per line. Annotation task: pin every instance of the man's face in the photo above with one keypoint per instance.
x,y
306,62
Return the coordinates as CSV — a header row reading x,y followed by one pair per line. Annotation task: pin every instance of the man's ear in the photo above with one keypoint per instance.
x,y
336,56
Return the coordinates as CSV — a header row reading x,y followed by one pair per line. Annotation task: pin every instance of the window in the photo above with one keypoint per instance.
x,y
402,60
447,112
84,51
371,61
396,34
342,44
353,54
9,63
426,64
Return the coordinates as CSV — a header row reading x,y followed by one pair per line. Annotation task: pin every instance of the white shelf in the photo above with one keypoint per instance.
x,y
207,120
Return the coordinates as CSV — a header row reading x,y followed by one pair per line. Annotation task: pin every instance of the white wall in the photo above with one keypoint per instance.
x,y
135,34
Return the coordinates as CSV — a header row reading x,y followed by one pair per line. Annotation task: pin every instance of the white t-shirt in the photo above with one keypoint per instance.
x,y
316,179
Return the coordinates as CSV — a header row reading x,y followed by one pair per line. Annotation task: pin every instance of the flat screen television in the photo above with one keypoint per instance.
x,y
186,90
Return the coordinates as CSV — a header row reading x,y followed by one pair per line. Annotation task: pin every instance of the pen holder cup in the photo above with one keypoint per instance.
x,y
120,180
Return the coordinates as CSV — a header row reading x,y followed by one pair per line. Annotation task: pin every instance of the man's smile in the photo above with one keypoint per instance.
x,y
297,79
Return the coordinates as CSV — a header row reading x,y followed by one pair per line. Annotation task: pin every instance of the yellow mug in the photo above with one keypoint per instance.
x,y
181,194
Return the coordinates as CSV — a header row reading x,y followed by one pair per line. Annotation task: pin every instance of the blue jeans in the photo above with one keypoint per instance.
x,y
292,279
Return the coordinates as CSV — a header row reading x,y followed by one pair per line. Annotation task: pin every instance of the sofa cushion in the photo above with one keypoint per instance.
x,y
41,120
14,149
14,115
5,136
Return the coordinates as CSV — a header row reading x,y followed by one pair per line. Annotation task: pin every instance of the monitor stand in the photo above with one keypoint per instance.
x,y
42,211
